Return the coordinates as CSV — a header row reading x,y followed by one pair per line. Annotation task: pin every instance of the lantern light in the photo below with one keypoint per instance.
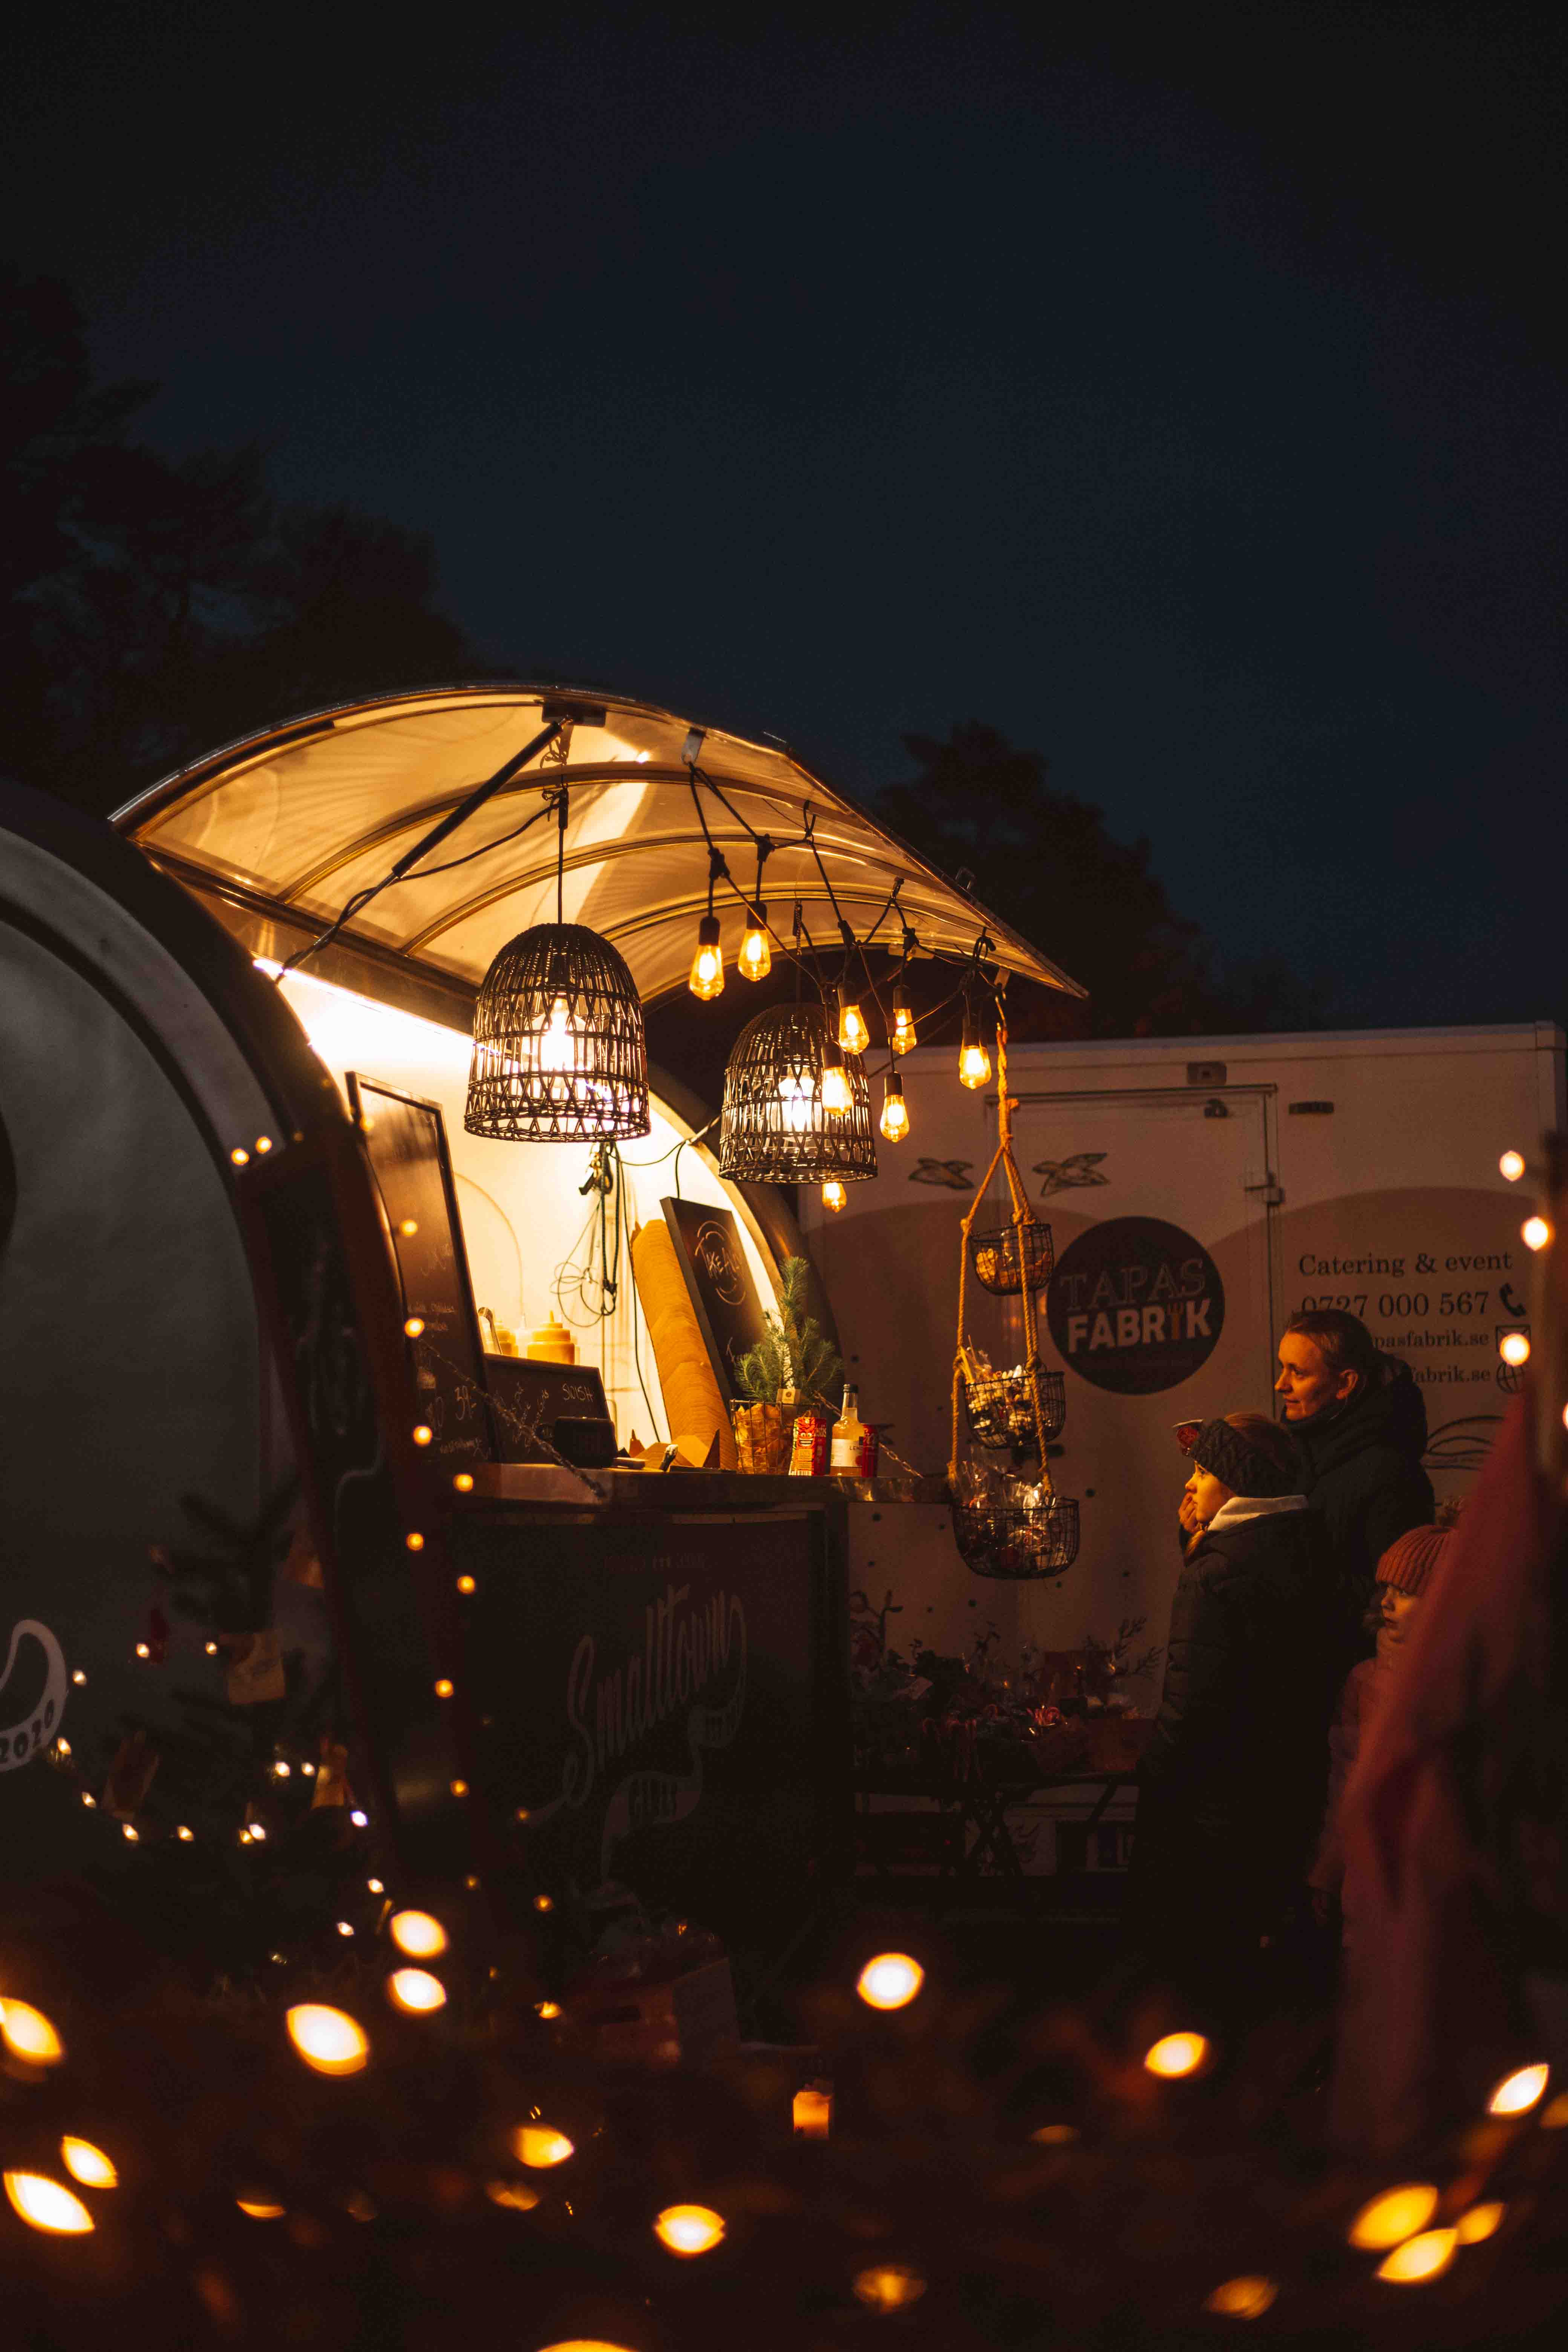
x,y
706,978
894,1122
755,959
785,1073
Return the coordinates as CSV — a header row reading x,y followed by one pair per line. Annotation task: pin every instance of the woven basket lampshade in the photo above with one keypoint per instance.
x,y
560,1051
774,1129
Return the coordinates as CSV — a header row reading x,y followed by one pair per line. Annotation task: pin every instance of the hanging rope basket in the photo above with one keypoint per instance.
x,y
1000,1410
1004,1526
1012,1257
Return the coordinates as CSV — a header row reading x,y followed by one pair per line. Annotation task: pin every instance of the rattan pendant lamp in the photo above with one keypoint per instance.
x,y
784,1073
560,1051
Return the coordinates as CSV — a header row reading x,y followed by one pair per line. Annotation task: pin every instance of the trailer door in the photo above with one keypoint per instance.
x,y
1161,1309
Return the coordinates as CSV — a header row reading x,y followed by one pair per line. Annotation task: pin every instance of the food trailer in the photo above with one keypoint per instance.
x,y
251,1238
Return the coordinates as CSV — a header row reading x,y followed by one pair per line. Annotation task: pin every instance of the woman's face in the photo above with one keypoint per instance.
x,y
1205,1494
1398,1609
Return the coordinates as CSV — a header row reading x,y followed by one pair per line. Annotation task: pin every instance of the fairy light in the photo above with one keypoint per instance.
x,y
415,1991
185,1834
47,2205
240,1157
264,1143
895,1119
129,1832
211,1649
279,1769
360,1818
1514,1348
1519,2092
888,2286
467,1585
143,1651
891,1980
88,1800
29,2035
443,1687
459,1788
87,2163
834,1195
414,1540
414,1327
376,1886
689,2229
464,1482
258,1832
1242,2299
419,1934
309,1771
1175,2054
547,2010
345,1926
423,1432
62,1747
1535,1233
328,2039
1426,2257
1512,1165
408,1228
756,959
540,2146
543,1901
1397,2214
77,1678
706,978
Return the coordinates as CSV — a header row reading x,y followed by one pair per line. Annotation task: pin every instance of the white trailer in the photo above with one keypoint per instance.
x,y
1200,1191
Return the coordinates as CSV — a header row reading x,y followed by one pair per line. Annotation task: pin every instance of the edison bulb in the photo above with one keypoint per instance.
x,y
837,1096
853,1035
974,1063
756,959
834,1196
707,976
901,1035
895,1119
557,1046
796,1096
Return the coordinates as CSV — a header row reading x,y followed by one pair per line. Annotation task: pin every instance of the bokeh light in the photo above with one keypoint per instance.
x,y
87,2163
416,1990
1514,1348
540,2146
260,2209
1512,1165
888,2286
1478,2223
1535,1233
689,2229
1397,2214
419,1934
45,2204
1242,2299
1518,2091
1175,2054
889,1982
1426,2257
515,2194
330,2040
28,2034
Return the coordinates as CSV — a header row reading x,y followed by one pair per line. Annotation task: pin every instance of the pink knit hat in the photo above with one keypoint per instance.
x,y
1410,1564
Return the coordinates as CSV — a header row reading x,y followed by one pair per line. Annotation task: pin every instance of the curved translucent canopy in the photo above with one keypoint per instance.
x,y
278,833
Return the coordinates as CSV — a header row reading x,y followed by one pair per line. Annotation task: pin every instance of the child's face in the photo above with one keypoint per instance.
x,y
1398,1609
1204,1494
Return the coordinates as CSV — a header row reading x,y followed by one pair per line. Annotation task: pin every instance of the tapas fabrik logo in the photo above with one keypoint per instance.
x,y
1135,1306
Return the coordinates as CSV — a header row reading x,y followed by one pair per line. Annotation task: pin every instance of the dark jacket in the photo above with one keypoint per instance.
x,y
1361,1473
1231,1787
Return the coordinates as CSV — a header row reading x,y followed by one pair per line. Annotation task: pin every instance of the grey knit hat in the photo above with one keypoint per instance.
x,y
1245,1469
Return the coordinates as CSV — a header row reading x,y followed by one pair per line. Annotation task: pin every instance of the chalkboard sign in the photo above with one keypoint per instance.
x,y
723,1297
406,1141
526,1396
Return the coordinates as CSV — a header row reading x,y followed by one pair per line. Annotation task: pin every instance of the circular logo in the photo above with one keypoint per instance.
x,y
715,1253
1135,1304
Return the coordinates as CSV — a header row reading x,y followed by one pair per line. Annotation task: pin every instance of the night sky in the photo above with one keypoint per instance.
x,y
1180,392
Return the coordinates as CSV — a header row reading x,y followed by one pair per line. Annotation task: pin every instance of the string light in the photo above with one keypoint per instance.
x,y
419,1934
1519,2092
467,1585
706,978
345,1926
834,1195
423,1432
409,1227
974,1061
889,1982
240,1157
186,1836
850,1026
1512,1165
547,2009
376,1886
894,1122
416,1990
87,2163
279,1769
328,2039
415,1326
1175,2054
689,2229
837,1094
464,1482
1514,1348
1535,1233
756,959
901,1034
78,1678
1424,2257
28,2034
143,1651
129,1832
264,1143
443,1687
360,1819
416,1542
459,1788
1397,2214
49,2205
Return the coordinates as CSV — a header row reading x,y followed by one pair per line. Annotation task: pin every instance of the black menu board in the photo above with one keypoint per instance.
x,y
723,1298
406,1141
527,1395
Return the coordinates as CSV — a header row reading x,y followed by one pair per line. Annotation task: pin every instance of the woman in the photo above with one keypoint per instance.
x,y
1231,1787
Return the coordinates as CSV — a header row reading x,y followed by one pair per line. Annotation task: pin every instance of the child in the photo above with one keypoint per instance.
x,y
1403,1573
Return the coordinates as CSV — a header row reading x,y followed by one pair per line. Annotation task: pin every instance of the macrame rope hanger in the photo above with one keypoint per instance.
x,y
1022,1215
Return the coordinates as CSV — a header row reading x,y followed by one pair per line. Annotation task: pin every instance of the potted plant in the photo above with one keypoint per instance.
x,y
791,1367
